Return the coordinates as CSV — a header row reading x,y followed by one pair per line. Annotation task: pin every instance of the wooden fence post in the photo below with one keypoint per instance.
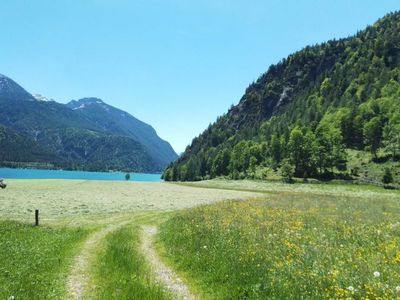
x,y
36,217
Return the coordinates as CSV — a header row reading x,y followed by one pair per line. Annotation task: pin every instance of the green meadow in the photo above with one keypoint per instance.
x,y
224,239
36,261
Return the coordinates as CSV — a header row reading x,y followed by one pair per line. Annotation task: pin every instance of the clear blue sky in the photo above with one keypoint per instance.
x,y
175,64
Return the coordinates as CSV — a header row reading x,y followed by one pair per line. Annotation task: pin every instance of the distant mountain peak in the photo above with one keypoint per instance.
x,y
9,89
91,100
87,102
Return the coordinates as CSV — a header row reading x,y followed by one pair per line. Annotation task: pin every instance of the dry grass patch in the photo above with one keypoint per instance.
x,y
64,199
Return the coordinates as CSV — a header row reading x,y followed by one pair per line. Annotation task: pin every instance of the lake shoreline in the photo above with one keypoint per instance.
x,y
30,173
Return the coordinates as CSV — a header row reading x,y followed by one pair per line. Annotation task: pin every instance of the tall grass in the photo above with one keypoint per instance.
x,y
34,260
290,247
120,270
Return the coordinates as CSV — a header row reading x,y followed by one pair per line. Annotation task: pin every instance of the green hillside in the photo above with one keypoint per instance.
x,y
308,115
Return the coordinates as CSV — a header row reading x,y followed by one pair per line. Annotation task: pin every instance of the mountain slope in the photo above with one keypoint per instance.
x,y
69,138
9,89
306,110
17,148
116,121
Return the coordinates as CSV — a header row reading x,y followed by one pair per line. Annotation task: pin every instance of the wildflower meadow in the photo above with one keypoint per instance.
x,y
289,246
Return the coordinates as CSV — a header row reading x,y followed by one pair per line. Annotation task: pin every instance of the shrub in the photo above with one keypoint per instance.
x,y
387,177
287,172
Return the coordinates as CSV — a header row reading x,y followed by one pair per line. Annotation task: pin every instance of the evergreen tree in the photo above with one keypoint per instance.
x,y
373,134
276,149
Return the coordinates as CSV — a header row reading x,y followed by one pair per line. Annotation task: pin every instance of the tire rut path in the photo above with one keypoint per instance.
x,y
163,273
79,278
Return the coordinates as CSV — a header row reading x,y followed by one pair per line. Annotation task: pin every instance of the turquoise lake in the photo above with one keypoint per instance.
x,y
8,173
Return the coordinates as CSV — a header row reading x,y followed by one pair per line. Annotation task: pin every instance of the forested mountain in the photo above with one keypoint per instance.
x,y
37,131
118,122
304,114
15,147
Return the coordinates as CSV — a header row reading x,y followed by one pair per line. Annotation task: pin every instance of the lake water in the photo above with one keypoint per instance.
x,y
8,173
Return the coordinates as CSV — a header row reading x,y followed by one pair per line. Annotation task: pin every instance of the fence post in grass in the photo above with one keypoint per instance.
x,y
36,217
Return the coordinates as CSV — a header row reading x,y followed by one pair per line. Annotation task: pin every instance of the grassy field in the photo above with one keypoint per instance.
x,y
284,241
34,262
298,241
313,189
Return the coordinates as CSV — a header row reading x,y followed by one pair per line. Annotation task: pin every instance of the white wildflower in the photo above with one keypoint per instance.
x,y
377,274
397,289
350,288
